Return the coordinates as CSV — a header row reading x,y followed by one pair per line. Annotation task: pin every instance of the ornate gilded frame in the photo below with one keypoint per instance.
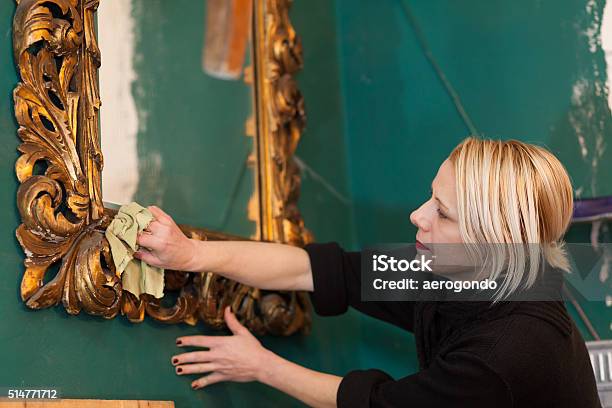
x,y
60,165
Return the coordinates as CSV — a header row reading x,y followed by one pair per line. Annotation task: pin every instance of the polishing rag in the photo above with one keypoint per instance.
x,y
136,275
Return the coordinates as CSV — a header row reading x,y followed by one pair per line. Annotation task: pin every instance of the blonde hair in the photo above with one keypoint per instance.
x,y
510,192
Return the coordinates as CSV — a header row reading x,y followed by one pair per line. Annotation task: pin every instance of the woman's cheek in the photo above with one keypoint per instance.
x,y
450,233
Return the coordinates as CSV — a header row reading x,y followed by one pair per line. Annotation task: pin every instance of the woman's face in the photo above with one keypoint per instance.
x,y
437,221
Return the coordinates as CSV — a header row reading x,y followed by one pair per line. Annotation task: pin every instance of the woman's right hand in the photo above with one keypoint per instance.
x,y
239,358
164,245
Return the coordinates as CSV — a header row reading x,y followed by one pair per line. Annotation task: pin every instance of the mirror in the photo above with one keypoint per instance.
x,y
179,109
176,118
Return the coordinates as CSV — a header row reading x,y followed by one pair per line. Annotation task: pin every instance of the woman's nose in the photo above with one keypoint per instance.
x,y
418,220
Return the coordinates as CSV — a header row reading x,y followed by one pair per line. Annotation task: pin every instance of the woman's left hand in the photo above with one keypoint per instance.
x,y
229,358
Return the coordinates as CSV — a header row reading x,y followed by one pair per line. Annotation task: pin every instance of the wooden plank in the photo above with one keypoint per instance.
x,y
76,403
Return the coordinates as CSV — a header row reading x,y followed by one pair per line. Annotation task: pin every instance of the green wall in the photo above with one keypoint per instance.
x,y
322,146
515,65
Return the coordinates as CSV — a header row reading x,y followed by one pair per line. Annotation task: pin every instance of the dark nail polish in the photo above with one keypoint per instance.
x,y
179,370
178,342
175,361
195,387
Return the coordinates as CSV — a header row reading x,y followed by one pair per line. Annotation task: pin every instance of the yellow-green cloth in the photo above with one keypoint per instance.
x,y
136,276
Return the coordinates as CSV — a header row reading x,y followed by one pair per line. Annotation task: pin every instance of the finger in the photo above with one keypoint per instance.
x,y
208,380
199,341
147,257
192,357
233,323
160,215
161,211
198,368
147,240
154,227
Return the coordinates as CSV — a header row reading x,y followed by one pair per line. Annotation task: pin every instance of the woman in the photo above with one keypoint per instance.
x,y
472,354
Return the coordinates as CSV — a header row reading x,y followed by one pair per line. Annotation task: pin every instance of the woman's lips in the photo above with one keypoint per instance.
x,y
419,245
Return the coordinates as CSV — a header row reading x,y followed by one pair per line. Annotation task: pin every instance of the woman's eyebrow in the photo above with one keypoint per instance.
x,y
441,203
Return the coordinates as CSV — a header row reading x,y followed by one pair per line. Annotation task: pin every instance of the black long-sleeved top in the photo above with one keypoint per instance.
x,y
471,354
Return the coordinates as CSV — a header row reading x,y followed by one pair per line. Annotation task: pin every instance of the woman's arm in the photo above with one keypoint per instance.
x,y
260,264
265,265
311,387
242,358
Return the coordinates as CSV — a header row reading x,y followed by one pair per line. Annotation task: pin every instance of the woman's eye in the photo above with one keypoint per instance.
x,y
441,214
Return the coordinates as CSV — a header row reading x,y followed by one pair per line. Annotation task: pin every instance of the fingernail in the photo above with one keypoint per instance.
x,y
179,370
194,386
178,342
175,361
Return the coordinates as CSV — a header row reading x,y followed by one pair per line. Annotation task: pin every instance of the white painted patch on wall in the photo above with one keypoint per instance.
x,y
599,34
592,31
606,45
118,114
578,90
588,90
